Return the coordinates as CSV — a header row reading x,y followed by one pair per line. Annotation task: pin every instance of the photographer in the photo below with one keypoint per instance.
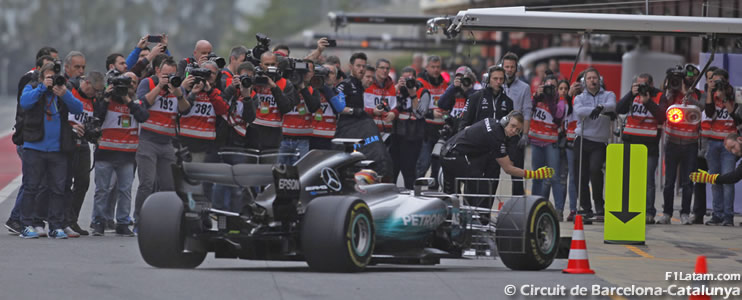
x,y
47,137
567,157
548,113
78,170
236,57
354,122
432,82
379,99
120,113
297,123
717,123
409,128
454,98
200,54
141,51
163,96
276,96
646,106
325,118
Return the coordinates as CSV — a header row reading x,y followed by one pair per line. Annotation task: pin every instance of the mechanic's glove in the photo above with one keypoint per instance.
x,y
596,112
541,173
523,142
702,177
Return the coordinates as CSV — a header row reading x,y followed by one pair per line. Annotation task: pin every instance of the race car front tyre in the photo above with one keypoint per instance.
x,y
160,233
337,234
529,244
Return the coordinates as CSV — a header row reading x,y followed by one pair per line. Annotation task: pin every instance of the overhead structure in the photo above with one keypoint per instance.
x,y
341,19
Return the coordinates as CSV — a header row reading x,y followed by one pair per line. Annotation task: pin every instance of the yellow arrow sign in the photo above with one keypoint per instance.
x,y
626,194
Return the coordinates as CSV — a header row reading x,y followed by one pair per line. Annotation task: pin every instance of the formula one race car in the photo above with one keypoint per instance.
x,y
314,211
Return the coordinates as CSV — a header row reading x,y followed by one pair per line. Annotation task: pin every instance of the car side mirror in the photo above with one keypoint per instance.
x,y
426,182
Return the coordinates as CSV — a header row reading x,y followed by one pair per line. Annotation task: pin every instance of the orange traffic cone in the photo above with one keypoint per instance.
x,y
578,263
700,269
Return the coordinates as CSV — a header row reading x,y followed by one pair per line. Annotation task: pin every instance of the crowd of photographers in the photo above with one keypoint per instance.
x,y
149,110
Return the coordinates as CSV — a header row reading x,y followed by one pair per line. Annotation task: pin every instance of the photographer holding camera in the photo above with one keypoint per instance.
x,y
120,113
717,123
276,96
379,99
646,106
547,115
47,137
163,96
297,123
200,54
197,124
325,118
236,58
454,98
409,128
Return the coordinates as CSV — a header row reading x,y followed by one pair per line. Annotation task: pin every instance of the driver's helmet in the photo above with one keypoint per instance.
x,y
366,177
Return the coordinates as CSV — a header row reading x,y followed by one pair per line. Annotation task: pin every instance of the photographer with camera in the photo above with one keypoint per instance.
x,y
120,113
142,51
163,96
276,96
593,131
379,99
297,123
325,118
236,58
432,82
47,137
354,122
717,123
645,108
548,112
454,98
200,54
409,128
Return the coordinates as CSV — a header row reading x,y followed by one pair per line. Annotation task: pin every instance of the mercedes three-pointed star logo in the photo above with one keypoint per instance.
x,y
331,179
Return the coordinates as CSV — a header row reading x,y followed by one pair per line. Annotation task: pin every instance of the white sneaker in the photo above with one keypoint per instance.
x,y
685,219
40,230
71,233
664,219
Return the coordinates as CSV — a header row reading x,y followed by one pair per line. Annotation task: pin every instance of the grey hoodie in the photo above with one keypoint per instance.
x,y
598,130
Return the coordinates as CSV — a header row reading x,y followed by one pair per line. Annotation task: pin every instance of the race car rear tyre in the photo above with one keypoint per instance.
x,y
337,234
540,229
160,233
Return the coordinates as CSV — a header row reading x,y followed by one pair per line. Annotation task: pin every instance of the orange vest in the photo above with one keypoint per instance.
x,y
435,94
374,95
571,126
323,122
681,131
268,114
87,110
234,118
297,122
720,125
228,78
543,128
641,122
458,107
200,121
162,113
120,131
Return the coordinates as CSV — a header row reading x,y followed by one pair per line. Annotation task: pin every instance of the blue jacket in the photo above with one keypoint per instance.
x,y
52,121
133,57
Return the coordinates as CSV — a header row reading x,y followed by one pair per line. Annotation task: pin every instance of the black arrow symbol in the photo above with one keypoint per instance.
x,y
625,215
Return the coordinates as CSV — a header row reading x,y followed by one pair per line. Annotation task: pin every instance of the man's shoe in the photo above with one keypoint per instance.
x,y
99,229
40,231
79,230
571,216
110,226
560,216
727,223
697,219
123,230
714,222
664,219
685,219
14,227
70,233
57,234
650,220
29,233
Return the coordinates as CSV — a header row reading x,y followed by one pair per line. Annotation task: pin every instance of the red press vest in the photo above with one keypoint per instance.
x,y
435,94
682,131
458,107
162,113
543,128
298,121
228,78
324,119
268,114
234,119
200,121
641,122
374,95
720,125
120,131
87,110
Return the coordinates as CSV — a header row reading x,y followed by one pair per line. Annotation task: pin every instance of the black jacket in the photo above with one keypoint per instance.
x,y
33,124
18,134
484,104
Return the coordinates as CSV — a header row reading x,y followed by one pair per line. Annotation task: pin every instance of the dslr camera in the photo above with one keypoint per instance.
x,y
320,73
643,89
220,62
466,81
261,76
245,81
93,131
175,80
200,75
675,77
121,85
726,88
409,83
549,90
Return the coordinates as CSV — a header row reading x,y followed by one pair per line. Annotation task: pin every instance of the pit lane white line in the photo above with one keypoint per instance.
x,y
8,190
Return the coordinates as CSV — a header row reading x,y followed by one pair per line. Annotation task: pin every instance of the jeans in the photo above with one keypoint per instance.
x,y
154,162
124,173
548,155
426,160
290,145
593,157
37,165
40,212
721,161
571,182
78,182
15,214
226,197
